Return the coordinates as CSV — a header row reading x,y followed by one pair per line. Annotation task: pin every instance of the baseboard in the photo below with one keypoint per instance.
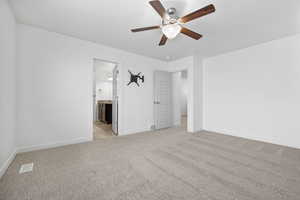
x,y
270,141
195,131
52,145
133,131
7,163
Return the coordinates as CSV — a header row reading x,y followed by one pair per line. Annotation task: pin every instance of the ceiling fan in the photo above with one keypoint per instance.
x,y
172,24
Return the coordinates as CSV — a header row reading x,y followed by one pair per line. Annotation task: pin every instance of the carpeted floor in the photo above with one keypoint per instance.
x,y
165,165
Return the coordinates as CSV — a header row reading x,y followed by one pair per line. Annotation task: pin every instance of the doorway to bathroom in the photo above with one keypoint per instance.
x,y
105,99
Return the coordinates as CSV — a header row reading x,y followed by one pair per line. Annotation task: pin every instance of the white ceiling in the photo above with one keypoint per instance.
x,y
103,70
235,24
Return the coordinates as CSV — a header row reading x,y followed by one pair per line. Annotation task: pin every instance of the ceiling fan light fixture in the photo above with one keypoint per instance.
x,y
171,30
172,25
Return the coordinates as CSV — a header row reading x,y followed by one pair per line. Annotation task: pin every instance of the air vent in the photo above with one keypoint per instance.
x,y
26,168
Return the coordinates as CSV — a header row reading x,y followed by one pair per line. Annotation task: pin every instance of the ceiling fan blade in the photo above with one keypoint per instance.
x,y
190,33
198,13
158,7
163,40
145,28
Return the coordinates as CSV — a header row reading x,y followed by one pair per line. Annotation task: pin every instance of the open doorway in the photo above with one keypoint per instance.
x,y
105,105
179,98
183,99
170,99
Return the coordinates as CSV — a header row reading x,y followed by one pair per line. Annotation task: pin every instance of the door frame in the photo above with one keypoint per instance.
x,y
93,90
115,100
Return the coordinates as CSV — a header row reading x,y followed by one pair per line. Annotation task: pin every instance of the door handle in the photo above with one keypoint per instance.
x,y
156,102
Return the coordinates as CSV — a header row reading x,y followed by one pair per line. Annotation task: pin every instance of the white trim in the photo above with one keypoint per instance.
x,y
259,139
133,131
7,163
53,145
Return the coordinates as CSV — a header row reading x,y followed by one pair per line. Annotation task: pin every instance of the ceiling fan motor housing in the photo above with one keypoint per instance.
x,y
170,17
171,12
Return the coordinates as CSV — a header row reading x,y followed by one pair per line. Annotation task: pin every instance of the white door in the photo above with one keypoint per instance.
x,y
162,99
115,101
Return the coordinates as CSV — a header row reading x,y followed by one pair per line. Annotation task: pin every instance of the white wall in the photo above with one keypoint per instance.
x,y
7,86
103,90
255,92
55,87
180,64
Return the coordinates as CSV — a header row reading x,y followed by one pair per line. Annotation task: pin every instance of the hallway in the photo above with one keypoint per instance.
x,y
102,130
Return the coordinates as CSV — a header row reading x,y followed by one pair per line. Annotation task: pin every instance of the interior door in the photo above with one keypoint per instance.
x,y
162,99
115,101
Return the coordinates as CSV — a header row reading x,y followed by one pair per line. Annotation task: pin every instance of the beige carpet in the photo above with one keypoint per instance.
x,y
165,165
